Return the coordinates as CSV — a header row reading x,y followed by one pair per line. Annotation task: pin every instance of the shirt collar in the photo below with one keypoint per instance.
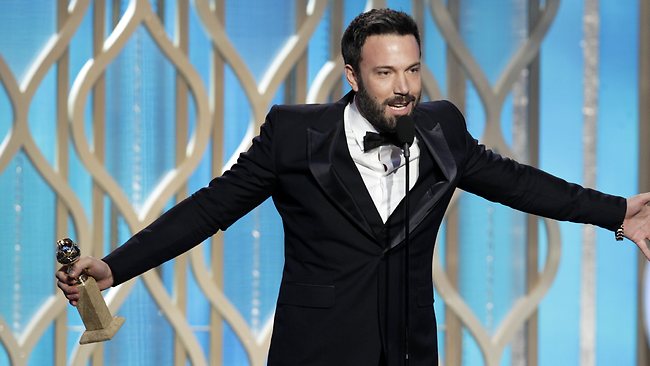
x,y
356,123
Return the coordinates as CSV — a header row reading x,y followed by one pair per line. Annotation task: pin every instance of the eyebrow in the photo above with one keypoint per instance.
x,y
417,64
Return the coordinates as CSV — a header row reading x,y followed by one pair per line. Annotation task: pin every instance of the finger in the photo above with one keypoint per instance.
x,y
67,289
78,267
61,276
75,269
93,267
645,197
71,298
65,278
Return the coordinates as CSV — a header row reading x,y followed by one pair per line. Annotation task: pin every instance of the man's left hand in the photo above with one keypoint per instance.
x,y
636,225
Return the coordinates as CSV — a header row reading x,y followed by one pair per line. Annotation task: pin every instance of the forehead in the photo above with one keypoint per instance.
x,y
390,50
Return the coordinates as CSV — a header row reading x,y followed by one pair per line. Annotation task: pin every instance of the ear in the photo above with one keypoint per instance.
x,y
351,76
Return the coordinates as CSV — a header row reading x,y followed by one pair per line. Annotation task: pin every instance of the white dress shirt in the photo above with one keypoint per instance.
x,y
382,168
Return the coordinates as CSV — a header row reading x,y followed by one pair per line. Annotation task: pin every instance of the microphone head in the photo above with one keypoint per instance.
x,y
405,130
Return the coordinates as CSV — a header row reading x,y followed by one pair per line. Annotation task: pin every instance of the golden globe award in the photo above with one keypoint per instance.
x,y
100,324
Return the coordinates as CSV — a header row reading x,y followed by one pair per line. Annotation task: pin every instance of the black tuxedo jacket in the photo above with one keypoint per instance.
x,y
341,300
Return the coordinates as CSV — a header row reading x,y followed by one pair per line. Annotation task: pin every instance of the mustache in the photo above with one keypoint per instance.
x,y
400,99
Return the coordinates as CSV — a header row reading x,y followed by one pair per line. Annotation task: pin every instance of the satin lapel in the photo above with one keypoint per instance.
x,y
333,168
430,186
435,141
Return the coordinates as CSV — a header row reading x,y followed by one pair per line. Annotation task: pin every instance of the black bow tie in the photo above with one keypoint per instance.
x,y
373,140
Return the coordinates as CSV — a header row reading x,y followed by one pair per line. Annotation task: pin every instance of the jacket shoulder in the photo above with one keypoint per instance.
x,y
442,113
300,117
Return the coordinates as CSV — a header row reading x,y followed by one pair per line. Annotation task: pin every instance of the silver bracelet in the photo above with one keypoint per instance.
x,y
618,234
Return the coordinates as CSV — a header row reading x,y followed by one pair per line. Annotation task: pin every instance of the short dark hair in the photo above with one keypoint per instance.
x,y
374,22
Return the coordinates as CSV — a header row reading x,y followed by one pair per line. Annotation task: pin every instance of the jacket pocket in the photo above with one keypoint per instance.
x,y
307,295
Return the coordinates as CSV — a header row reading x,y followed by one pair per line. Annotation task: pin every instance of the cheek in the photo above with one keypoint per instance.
x,y
415,83
380,94
378,89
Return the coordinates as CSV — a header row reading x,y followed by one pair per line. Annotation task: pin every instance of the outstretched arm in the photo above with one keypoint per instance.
x,y
636,225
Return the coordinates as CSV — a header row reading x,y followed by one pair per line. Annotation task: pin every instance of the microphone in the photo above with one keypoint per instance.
x,y
405,132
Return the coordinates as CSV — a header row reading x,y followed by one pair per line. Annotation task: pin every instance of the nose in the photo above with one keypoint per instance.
x,y
401,86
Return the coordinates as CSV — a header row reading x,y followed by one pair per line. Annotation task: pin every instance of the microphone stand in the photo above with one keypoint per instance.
x,y
405,131
407,155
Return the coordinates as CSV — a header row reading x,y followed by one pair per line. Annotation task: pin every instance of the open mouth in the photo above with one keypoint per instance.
x,y
400,103
398,106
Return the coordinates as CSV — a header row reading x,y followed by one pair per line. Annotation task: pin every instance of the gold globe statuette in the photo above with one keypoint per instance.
x,y
100,324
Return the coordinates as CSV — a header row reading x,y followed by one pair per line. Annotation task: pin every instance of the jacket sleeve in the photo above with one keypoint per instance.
x,y
227,198
528,189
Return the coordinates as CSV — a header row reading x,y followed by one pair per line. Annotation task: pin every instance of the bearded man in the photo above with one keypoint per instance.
x,y
342,298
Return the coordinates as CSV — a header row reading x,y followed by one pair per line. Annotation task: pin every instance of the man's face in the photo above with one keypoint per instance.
x,y
388,83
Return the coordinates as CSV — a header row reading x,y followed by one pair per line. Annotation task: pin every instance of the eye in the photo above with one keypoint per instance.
x,y
414,70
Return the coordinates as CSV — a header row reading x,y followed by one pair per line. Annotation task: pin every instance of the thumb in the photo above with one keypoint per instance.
x,y
645,198
84,264
636,204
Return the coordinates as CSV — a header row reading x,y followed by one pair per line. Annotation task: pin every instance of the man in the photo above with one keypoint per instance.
x,y
341,299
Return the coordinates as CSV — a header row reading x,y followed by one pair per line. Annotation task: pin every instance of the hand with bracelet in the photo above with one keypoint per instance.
x,y
636,225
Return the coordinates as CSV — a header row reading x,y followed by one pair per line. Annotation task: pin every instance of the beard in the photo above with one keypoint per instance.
x,y
374,111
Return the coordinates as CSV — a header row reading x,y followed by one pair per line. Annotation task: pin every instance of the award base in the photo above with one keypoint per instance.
x,y
100,324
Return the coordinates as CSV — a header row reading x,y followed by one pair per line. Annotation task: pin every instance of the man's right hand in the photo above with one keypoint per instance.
x,y
95,268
